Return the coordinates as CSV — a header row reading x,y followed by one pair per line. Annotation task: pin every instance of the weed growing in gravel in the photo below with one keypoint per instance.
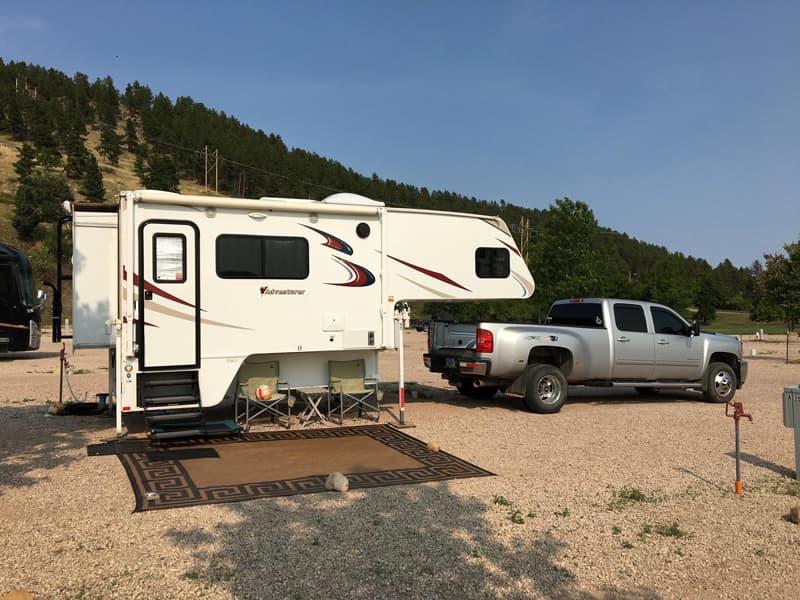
x,y
531,514
616,530
627,496
647,529
671,531
678,551
516,518
502,501
563,513
626,544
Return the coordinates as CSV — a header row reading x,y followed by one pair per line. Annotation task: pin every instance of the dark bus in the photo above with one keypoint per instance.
x,y
20,303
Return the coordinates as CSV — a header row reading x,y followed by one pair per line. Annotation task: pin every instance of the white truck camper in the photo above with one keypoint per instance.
x,y
183,289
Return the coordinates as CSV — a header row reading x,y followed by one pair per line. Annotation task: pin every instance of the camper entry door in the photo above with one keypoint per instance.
x,y
169,295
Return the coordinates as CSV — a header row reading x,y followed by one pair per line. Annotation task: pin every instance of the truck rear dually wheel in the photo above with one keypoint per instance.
x,y
545,389
720,383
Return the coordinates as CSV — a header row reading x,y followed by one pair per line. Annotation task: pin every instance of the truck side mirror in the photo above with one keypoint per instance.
x,y
695,328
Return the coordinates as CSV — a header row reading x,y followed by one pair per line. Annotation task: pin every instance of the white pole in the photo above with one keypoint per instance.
x,y
402,389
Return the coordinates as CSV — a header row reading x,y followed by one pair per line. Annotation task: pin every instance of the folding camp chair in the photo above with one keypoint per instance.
x,y
262,391
348,389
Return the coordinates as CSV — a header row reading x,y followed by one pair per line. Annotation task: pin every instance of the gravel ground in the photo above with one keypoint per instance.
x,y
614,497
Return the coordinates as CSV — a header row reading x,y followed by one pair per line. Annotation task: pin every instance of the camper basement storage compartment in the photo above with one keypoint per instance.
x,y
184,290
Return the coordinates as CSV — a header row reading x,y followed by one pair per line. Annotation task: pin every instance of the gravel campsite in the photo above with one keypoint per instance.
x,y
615,496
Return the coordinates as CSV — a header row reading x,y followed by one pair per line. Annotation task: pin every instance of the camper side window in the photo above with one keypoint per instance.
x,y
169,258
262,257
492,263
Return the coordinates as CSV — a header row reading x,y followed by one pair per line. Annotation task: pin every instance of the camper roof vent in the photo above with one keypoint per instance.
x,y
353,199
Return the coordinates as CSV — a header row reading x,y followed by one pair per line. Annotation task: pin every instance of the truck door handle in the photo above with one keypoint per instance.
x,y
663,342
622,338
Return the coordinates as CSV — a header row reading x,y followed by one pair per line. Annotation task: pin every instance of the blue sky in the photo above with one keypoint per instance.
x,y
677,122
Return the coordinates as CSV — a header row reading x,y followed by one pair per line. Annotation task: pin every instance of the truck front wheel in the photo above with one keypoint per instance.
x,y
720,383
545,389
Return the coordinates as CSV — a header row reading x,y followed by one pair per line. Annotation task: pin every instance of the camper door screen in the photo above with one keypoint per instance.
x,y
170,258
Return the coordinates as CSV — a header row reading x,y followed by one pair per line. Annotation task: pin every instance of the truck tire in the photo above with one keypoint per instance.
x,y
470,390
545,389
720,383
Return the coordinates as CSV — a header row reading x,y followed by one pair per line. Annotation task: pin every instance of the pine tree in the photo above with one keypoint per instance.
x,y
77,157
38,200
161,173
110,144
92,181
131,138
26,162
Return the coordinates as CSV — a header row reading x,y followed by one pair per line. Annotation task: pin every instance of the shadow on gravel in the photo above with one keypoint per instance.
x,y
27,355
30,440
417,541
764,464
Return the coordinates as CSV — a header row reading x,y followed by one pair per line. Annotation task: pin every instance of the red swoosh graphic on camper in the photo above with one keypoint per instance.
x,y
159,292
331,241
362,277
510,247
429,273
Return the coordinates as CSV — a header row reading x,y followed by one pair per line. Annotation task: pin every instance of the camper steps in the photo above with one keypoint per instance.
x,y
171,404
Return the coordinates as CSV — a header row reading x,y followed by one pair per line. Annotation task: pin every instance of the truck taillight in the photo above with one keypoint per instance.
x,y
484,341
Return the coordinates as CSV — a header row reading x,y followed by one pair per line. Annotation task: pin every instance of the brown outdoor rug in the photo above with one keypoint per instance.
x,y
281,463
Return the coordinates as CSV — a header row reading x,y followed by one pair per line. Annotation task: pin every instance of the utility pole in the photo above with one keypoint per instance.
x,y
214,168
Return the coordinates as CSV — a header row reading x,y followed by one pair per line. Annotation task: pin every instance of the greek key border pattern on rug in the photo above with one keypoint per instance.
x,y
160,484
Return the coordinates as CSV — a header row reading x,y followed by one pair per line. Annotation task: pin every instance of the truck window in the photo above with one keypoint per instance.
x,y
630,317
667,322
579,314
492,263
262,257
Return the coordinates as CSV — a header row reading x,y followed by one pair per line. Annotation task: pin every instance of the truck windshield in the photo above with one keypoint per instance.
x,y
580,314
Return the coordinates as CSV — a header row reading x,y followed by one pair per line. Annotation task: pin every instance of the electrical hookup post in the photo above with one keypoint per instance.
x,y
791,418
738,413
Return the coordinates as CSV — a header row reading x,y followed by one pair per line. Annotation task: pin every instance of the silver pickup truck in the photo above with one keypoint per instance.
x,y
586,341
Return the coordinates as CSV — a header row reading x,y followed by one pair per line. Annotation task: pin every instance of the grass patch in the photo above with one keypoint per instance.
x,y
738,322
627,496
502,501
671,531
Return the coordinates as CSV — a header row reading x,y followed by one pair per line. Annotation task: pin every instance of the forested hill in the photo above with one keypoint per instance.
x,y
65,137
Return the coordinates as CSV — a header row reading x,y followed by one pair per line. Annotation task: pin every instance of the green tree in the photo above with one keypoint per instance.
x,y
131,137
26,162
92,181
38,200
77,156
782,282
110,144
161,173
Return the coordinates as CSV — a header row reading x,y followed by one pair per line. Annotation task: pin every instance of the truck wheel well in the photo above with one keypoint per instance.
x,y
728,359
558,357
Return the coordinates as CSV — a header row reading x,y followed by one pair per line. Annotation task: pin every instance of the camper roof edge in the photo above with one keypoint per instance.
x,y
264,204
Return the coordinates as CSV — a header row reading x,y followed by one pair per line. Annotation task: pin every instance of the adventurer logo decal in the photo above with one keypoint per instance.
x,y
268,291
